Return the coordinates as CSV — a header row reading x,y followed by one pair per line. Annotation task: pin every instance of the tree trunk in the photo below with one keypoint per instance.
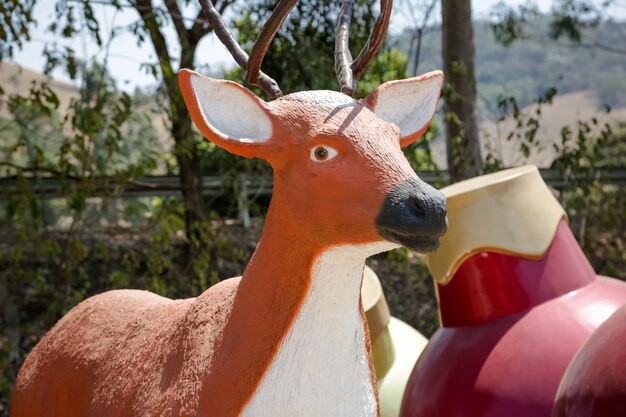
x,y
463,145
185,146
189,172
418,50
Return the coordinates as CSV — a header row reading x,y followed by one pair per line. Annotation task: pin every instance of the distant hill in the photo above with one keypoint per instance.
x,y
527,69
586,80
566,110
15,79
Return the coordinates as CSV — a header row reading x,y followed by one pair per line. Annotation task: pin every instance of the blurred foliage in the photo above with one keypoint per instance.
x,y
568,19
15,20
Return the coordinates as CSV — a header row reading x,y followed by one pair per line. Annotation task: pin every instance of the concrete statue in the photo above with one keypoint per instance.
x,y
517,299
289,337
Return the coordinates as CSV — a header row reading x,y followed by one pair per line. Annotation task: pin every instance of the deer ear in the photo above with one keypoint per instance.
x,y
227,114
410,104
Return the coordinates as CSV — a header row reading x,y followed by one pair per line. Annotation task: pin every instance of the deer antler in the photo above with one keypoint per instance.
x,y
261,45
256,77
343,57
346,69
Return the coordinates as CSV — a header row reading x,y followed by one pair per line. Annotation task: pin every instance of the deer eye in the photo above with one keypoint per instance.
x,y
322,153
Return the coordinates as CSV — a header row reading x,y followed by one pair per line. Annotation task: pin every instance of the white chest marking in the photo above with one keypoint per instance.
x,y
321,369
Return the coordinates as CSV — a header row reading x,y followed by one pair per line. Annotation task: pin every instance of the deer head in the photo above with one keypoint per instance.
x,y
340,174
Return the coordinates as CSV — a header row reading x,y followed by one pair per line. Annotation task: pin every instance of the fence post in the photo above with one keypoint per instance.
x,y
242,201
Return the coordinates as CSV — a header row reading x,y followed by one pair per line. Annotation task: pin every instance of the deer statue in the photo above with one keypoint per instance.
x,y
288,338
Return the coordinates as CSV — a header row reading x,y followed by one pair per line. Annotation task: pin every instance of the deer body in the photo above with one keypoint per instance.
x,y
289,338
159,355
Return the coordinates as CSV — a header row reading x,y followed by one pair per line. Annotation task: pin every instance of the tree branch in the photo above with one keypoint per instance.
x,y
177,19
239,55
133,5
201,26
420,33
144,8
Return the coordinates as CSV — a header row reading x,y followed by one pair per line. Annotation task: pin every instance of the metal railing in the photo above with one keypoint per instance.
x,y
248,187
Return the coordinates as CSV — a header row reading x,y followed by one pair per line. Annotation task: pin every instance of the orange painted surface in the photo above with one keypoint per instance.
x,y
133,353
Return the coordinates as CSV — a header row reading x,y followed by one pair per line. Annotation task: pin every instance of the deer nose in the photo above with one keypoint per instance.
x,y
413,215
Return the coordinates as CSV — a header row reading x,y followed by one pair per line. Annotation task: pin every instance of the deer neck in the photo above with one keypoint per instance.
x,y
322,363
296,338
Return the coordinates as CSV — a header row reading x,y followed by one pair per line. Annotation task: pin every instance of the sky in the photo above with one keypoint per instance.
x,y
125,57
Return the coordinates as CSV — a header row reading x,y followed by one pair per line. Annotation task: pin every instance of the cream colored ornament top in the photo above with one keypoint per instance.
x,y
374,303
512,211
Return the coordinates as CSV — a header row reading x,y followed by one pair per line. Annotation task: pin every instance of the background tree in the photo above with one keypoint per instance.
x,y
420,26
463,145
73,16
572,23
186,145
